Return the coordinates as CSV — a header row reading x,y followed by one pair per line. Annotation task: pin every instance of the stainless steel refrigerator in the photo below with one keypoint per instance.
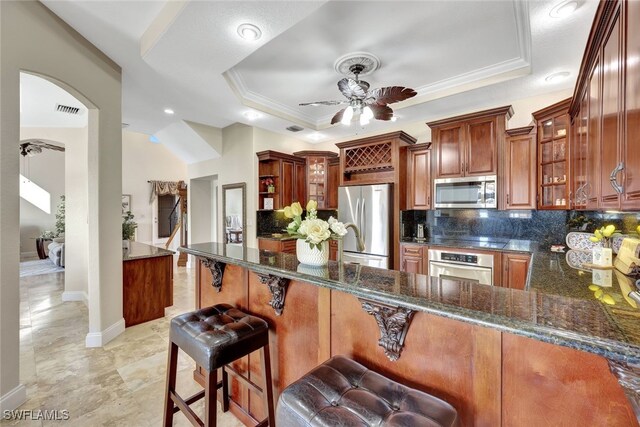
x,y
369,208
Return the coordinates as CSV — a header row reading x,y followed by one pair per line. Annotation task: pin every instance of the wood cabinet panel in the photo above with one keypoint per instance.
x,y
419,178
520,172
301,184
273,245
147,288
611,114
593,143
450,154
414,258
541,376
481,152
454,361
515,269
333,181
287,183
631,146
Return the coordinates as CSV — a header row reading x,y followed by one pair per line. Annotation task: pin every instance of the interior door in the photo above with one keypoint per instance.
x,y
481,155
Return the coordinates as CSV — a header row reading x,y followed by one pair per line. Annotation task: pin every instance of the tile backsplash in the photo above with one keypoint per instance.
x,y
269,222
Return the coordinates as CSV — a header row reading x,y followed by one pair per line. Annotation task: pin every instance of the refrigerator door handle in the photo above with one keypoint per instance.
x,y
363,228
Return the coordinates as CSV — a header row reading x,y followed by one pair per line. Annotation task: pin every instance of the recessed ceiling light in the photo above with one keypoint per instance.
x,y
249,32
564,8
169,111
316,136
556,77
252,115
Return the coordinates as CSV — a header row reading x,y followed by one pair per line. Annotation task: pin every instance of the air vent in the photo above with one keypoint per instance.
x,y
295,128
67,109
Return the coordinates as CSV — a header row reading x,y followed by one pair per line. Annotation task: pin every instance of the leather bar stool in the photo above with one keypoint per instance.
x,y
341,392
214,337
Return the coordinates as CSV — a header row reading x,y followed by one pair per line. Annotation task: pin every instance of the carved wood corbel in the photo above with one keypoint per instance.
x,y
628,376
217,271
278,288
393,323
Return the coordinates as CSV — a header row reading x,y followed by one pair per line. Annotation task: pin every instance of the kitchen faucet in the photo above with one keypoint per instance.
x,y
359,242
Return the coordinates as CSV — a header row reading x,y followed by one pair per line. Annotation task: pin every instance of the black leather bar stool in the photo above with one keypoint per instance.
x,y
341,392
214,337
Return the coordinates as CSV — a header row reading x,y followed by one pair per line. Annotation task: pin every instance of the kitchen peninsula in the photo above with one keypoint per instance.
x,y
499,356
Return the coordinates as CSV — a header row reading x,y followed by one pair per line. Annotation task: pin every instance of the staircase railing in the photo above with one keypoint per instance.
x,y
175,221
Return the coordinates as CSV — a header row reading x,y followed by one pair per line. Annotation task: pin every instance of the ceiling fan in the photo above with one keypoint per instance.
x,y
31,147
368,104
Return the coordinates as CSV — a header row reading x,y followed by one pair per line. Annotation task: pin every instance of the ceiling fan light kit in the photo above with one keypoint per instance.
x,y
366,104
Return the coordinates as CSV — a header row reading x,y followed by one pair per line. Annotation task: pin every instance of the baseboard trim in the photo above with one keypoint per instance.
x,y
13,399
99,339
75,296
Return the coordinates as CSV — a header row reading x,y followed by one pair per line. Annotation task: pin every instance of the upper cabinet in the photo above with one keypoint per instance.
x,y
553,156
333,181
468,145
520,169
606,108
317,176
281,180
419,177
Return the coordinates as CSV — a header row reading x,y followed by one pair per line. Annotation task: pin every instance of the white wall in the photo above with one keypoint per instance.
x,y
47,171
143,161
34,39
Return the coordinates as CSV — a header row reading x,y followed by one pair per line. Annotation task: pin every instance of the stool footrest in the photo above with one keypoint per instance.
x,y
184,407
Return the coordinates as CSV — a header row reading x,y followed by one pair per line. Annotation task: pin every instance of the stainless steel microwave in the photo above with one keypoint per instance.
x,y
469,192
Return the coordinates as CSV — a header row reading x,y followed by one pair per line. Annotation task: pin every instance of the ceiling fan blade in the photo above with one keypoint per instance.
x,y
337,117
389,95
52,147
351,89
381,112
323,103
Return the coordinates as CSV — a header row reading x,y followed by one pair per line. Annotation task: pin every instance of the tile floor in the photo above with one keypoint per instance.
x,y
121,384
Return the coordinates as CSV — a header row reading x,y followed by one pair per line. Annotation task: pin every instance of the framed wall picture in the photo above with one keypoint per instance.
x,y
268,203
126,203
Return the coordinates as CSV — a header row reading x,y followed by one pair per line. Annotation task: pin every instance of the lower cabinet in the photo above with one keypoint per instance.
x,y
515,268
274,245
414,258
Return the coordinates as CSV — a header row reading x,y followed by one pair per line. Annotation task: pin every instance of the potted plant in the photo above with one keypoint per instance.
x,y
271,188
603,255
312,246
128,229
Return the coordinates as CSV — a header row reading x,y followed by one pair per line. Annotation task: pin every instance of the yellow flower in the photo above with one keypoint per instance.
x,y
598,234
608,230
594,239
288,212
638,229
312,205
296,209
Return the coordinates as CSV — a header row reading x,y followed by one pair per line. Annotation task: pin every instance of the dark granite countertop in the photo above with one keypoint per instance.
x,y
577,321
139,250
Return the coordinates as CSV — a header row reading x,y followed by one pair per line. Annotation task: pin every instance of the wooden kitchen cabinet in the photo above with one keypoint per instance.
x,y
554,152
317,175
419,177
609,82
288,175
468,145
414,258
579,129
520,169
515,269
276,245
333,181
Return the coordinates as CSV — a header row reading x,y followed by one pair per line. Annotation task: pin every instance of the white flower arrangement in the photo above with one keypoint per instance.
x,y
312,229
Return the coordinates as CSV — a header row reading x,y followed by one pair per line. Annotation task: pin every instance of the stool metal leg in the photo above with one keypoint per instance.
x,y
267,392
172,366
210,393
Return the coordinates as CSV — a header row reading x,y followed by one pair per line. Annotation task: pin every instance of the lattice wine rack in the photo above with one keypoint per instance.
x,y
375,157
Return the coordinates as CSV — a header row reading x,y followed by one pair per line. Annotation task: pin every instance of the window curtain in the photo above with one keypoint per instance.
x,y
163,188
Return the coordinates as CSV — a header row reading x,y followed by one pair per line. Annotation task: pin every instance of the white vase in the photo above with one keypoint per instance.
x,y
125,244
309,256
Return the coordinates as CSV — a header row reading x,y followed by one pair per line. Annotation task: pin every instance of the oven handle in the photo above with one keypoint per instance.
x,y
460,266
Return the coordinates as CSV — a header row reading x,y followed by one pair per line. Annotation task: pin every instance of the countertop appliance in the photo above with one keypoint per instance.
x,y
369,208
475,192
454,265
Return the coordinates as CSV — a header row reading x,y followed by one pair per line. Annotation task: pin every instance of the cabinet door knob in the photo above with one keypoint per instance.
x,y
613,178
